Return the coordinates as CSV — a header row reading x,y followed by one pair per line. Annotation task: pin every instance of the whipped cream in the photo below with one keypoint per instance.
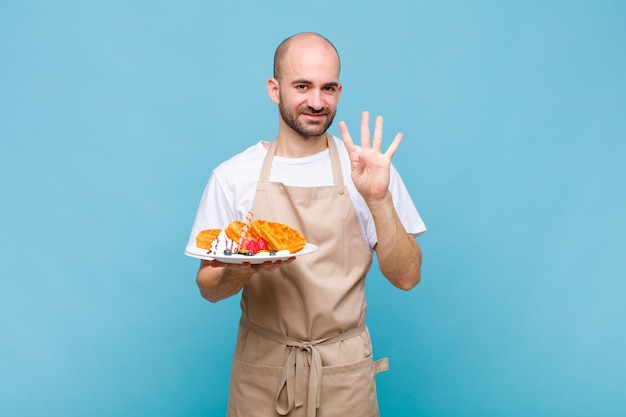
x,y
221,243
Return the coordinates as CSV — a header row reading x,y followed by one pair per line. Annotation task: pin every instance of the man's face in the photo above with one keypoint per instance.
x,y
309,91
305,120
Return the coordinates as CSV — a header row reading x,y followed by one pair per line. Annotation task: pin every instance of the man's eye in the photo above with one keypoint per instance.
x,y
301,86
330,89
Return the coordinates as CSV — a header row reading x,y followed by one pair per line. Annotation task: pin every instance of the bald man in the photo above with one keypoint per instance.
x,y
303,347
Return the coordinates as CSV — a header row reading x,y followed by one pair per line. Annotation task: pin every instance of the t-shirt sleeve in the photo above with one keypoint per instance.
x,y
405,207
214,210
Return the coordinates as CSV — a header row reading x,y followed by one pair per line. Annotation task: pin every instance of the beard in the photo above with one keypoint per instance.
x,y
306,130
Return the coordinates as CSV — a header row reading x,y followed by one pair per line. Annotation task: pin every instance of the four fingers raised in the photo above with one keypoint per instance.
x,y
367,141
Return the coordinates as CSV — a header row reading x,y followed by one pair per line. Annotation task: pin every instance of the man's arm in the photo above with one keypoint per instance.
x,y
399,255
217,280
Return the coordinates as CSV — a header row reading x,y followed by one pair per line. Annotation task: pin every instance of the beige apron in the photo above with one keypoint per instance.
x,y
303,348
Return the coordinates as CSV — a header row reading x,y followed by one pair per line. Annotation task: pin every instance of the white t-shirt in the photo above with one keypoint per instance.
x,y
230,190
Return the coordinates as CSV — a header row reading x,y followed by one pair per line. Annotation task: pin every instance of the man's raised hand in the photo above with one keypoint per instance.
x,y
370,167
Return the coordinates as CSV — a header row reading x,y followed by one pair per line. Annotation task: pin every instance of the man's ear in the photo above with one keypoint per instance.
x,y
273,90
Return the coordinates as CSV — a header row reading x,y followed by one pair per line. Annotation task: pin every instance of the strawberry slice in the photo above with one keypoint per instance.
x,y
248,245
253,247
245,243
261,243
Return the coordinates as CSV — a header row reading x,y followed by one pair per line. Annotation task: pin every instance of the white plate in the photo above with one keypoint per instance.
x,y
200,253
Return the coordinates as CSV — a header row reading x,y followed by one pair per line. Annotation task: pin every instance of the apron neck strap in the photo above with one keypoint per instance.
x,y
334,160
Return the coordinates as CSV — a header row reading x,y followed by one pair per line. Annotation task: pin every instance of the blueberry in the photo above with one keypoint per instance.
x,y
227,252
249,254
272,253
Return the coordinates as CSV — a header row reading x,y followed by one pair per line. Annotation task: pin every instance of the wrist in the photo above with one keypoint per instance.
x,y
237,272
379,203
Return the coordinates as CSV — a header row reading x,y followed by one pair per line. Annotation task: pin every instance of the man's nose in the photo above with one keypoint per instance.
x,y
315,100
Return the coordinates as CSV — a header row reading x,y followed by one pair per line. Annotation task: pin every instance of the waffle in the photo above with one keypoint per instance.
x,y
234,229
278,236
206,237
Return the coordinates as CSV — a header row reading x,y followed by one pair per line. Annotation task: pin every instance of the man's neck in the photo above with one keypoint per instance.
x,y
296,146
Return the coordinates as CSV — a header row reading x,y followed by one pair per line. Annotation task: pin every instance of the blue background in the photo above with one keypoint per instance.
x,y
113,113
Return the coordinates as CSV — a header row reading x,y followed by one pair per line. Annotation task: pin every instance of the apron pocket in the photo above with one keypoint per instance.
x,y
349,390
253,390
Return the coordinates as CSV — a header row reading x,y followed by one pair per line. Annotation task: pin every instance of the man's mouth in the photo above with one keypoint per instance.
x,y
315,116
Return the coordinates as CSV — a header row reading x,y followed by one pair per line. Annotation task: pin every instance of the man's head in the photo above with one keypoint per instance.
x,y
281,51
306,85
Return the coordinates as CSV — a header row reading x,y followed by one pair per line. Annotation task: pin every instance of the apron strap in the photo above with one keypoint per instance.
x,y
334,159
267,163
292,377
